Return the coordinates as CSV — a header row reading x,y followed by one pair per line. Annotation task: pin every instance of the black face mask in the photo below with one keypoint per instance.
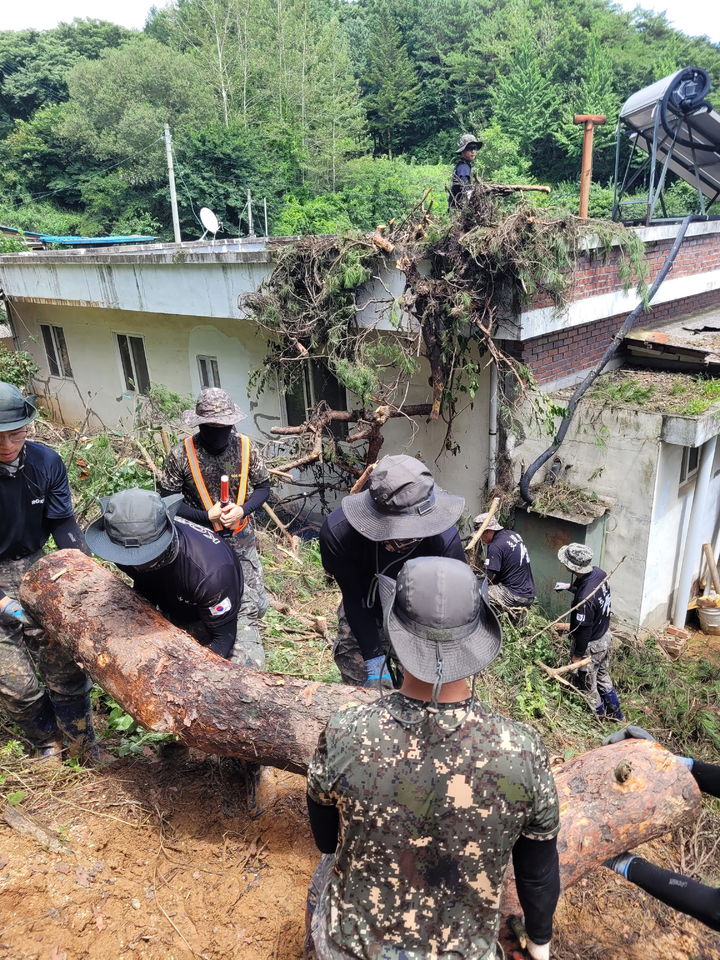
x,y
214,438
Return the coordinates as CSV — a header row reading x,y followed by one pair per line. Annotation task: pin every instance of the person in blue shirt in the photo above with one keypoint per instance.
x,y
590,628
461,182
35,504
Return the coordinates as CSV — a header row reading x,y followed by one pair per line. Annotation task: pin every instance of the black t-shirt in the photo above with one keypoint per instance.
x,y
36,493
354,560
591,620
508,564
204,582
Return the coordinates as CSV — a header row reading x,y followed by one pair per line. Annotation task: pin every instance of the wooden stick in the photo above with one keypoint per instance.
x,y
292,540
165,440
281,473
556,673
712,566
23,824
483,526
362,479
148,459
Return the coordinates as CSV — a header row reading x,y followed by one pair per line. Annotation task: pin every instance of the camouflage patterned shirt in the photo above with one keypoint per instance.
x,y
177,476
429,815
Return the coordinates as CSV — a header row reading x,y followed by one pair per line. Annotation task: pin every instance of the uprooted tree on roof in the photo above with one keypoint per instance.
x,y
495,255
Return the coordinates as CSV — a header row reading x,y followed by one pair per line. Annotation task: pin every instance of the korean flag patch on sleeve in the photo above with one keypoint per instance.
x,y
221,607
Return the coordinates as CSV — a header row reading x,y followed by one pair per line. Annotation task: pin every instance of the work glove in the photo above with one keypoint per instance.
x,y
630,732
376,670
13,608
538,951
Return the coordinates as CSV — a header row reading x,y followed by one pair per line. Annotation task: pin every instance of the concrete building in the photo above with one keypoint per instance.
x,y
103,324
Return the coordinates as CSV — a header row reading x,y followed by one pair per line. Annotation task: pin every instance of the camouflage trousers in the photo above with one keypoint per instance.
x,y
318,945
499,596
23,697
346,653
248,650
595,680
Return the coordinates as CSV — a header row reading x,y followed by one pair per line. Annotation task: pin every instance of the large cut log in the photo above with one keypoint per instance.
x,y
612,798
166,680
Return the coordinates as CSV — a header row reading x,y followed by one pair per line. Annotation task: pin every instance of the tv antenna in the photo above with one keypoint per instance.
x,y
210,222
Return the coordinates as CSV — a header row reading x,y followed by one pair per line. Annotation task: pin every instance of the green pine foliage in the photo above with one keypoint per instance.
x,y
339,113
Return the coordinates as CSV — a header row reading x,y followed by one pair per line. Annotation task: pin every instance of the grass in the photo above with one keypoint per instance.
x,y
658,392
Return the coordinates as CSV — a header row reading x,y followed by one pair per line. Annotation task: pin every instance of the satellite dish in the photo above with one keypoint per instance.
x,y
209,221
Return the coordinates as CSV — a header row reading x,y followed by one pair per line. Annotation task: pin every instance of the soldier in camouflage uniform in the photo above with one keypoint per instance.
x,y
35,503
420,799
218,449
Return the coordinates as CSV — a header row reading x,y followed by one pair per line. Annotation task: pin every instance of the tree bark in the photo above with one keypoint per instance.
x,y
166,680
612,798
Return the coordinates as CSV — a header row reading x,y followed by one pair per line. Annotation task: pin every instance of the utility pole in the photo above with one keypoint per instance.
x,y
265,211
171,179
251,228
589,121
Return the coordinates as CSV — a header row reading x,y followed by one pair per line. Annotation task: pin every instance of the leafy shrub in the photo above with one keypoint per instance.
x,y
17,367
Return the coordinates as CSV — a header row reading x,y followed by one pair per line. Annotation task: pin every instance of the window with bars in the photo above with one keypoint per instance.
x,y
56,351
134,363
209,373
315,384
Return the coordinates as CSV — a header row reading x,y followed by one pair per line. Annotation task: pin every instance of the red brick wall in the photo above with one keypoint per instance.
x,y
564,352
593,277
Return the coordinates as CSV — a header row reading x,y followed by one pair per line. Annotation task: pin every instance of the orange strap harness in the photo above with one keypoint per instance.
x,y
201,486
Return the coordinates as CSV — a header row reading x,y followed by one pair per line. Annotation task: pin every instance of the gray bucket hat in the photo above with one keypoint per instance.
x,y
576,557
468,142
401,502
136,526
493,525
214,406
15,410
437,618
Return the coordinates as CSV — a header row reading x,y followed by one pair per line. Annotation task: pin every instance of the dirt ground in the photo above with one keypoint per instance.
x,y
164,863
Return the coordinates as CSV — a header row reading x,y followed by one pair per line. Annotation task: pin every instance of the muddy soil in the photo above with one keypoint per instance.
x,y
163,862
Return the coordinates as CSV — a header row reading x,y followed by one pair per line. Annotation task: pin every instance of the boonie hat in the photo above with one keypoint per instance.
x,y
401,502
468,142
214,406
493,525
438,620
136,526
15,410
576,557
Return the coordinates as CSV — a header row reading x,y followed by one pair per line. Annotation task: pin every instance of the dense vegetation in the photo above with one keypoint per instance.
x,y
339,113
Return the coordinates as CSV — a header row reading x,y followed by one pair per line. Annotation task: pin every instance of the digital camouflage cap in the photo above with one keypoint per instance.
x,y
214,406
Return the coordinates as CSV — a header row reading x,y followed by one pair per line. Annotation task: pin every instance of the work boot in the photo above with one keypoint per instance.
x,y
39,726
74,717
612,702
600,711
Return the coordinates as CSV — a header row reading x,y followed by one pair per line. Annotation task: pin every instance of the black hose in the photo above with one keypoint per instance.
x,y
602,363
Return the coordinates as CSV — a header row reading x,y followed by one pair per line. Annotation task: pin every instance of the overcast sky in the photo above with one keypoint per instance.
x,y
695,17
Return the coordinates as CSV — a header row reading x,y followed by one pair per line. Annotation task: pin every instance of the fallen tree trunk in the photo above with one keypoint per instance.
x,y
166,680
612,798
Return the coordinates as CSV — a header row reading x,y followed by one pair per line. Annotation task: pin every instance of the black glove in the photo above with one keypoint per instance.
x,y
629,733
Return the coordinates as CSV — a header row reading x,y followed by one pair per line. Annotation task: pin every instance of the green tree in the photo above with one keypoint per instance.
x,y
391,87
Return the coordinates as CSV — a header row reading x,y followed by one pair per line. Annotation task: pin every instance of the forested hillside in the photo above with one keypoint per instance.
x,y
339,113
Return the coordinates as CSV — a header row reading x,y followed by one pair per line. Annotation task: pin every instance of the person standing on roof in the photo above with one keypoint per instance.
x,y
401,514
419,800
510,578
590,628
461,182
194,469
35,504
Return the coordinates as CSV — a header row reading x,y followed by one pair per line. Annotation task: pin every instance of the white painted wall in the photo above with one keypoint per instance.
x,y
668,530
614,452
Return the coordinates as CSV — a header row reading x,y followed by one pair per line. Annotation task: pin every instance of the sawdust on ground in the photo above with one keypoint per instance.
x,y
164,863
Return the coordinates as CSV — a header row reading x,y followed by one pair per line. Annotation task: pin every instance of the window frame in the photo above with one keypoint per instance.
x,y
688,473
212,363
60,358
131,358
312,371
